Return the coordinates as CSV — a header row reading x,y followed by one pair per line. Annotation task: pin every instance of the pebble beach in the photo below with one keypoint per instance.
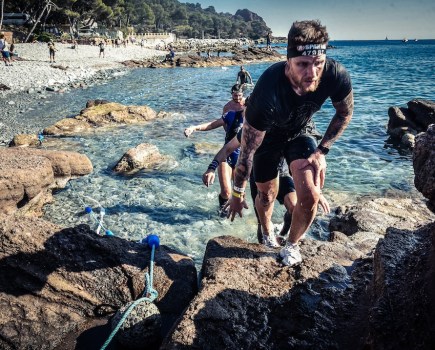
x,y
32,77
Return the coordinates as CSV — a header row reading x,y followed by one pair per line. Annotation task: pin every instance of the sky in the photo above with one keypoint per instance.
x,y
344,19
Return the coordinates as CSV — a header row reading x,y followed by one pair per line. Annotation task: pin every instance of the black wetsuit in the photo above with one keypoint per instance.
x,y
275,107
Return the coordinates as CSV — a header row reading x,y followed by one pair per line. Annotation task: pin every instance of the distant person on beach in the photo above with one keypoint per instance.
x,y
231,120
171,55
286,191
282,103
4,49
102,47
268,40
52,50
243,76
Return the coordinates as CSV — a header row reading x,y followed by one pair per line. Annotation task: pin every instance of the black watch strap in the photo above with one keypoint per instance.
x,y
323,149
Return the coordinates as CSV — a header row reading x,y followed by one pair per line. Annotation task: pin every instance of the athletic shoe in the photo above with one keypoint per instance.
x,y
290,254
270,240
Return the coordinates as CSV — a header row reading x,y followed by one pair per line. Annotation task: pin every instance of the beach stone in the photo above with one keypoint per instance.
x,y
3,87
141,328
143,156
408,140
24,140
424,164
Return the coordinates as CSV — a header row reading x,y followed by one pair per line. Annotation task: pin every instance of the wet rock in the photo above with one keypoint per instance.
x,y
25,140
403,304
92,103
59,286
144,156
28,177
424,164
101,114
3,87
248,300
405,123
377,214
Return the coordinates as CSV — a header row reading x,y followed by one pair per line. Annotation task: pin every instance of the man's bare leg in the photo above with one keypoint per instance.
x,y
264,203
307,199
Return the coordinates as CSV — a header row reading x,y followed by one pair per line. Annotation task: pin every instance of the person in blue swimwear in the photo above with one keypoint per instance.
x,y
231,121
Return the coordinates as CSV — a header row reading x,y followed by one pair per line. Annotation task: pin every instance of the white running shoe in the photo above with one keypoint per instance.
x,y
290,254
270,240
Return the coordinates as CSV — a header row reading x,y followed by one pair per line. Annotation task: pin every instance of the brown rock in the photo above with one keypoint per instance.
x,y
101,114
28,176
24,140
401,117
143,156
57,284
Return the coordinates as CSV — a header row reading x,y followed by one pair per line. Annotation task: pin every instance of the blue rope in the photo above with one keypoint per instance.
x,y
149,290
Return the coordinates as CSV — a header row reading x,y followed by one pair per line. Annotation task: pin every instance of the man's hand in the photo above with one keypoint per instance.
x,y
235,205
318,162
324,204
188,131
208,177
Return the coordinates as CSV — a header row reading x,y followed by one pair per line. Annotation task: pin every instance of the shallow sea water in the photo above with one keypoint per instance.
x,y
173,203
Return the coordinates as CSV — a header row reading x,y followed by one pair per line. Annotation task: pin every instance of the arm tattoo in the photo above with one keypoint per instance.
x,y
341,119
251,140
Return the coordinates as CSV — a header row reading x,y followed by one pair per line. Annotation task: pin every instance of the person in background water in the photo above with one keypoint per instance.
x,y
243,76
268,40
282,103
231,120
102,47
51,50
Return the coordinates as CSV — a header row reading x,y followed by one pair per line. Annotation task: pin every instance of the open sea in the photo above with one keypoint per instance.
x,y
174,204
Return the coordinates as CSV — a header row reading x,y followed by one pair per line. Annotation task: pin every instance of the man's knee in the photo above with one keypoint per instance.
x,y
309,198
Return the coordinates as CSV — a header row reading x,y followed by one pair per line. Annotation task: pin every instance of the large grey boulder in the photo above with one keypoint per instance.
x,y
424,112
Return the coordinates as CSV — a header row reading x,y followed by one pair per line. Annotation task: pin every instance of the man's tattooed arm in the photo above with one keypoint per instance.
x,y
342,117
251,140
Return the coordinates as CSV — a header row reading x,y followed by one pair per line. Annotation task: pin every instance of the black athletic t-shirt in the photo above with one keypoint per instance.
x,y
274,106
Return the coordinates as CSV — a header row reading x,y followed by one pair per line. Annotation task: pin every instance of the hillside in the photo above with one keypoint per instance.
x,y
183,19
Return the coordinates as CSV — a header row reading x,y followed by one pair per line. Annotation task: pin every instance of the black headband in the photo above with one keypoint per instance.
x,y
306,50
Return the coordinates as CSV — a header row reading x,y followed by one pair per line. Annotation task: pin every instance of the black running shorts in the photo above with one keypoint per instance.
x,y
268,156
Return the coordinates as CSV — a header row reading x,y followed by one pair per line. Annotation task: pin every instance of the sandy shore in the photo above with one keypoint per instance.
x,y
36,72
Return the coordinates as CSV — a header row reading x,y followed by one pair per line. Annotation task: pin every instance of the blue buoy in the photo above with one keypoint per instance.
x,y
153,240
88,210
109,233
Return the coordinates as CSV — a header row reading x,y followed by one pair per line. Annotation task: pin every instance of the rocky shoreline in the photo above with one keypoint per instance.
x,y
31,79
369,286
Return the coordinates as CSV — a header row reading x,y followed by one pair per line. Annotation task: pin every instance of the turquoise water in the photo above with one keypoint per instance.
x,y
174,204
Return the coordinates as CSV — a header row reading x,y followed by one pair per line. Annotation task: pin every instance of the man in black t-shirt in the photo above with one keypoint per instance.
x,y
283,102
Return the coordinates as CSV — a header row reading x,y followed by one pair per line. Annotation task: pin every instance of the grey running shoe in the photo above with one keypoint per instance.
x,y
270,240
290,254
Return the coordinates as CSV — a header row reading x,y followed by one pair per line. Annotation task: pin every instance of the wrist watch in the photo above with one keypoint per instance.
x,y
323,149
